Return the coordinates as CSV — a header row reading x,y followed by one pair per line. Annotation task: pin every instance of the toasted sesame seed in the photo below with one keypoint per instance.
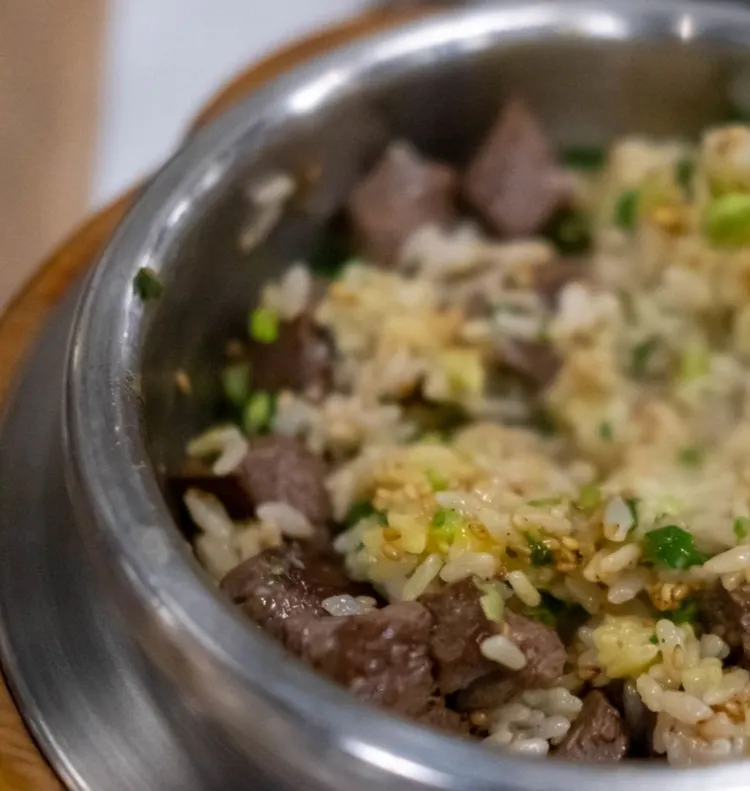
x,y
182,380
391,552
479,719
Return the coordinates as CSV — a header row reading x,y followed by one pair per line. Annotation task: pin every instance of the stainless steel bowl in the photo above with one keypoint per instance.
x,y
133,672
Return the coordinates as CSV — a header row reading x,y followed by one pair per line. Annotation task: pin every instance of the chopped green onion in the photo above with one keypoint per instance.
x,y
654,640
727,221
584,158
545,423
691,456
445,522
632,504
628,306
544,502
606,432
626,210
736,115
570,232
673,547
147,284
543,614
741,527
564,617
642,353
686,613
362,509
542,333
442,516
590,497
331,252
258,412
264,325
541,555
235,381
695,363
491,602
684,174
438,482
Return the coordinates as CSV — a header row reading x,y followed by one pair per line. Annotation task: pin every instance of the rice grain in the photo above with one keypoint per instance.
x,y
500,649
523,588
735,559
422,576
684,707
291,522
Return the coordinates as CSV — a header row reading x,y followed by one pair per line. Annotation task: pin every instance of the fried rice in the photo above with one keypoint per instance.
x,y
619,492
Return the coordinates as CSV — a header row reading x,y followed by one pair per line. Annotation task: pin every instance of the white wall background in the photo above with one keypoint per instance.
x,y
165,57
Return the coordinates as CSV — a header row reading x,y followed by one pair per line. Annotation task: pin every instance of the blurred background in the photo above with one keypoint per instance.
x,y
95,93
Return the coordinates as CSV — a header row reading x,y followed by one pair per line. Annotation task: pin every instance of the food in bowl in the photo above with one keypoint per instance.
x,y
493,473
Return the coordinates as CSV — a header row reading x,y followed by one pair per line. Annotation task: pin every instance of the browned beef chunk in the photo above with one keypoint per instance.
x,y
460,626
727,614
438,715
514,181
381,656
598,733
545,660
402,193
300,359
228,488
288,581
281,469
544,651
536,361
551,279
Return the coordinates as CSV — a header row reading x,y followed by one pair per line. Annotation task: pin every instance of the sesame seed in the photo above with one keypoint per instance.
x,y
391,552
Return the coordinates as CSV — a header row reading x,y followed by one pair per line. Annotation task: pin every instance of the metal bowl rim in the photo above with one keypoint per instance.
x,y
109,468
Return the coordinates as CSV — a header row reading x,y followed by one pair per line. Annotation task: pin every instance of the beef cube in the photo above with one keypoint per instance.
x,y
535,361
381,656
544,651
281,469
727,614
404,192
300,359
514,181
597,735
438,715
460,627
550,279
293,580
545,661
228,489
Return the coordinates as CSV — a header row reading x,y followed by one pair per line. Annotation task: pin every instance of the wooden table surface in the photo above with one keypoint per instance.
x,y
22,768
